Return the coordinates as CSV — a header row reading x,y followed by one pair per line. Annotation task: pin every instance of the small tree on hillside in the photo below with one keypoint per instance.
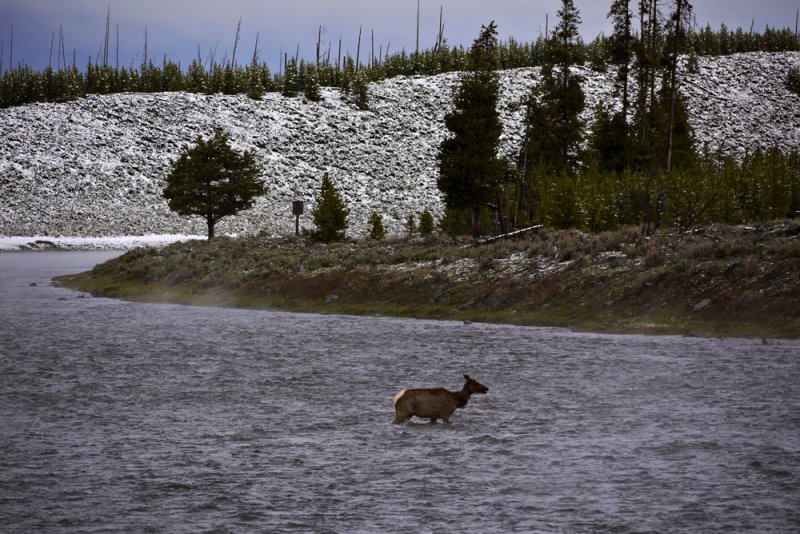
x,y
411,225
312,89
361,92
426,225
330,214
211,180
376,230
290,86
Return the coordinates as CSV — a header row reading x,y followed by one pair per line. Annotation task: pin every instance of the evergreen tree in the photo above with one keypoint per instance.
x,y
360,92
290,83
662,138
311,87
411,225
197,78
172,77
793,80
608,144
564,48
255,89
469,169
426,224
376,230
621,47
554,130
647,66
330,214
211,180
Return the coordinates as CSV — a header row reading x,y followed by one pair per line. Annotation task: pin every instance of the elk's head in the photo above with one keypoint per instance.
x,y
473,386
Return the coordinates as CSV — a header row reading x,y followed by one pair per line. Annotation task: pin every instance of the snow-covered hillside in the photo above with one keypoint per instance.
x,y
96,166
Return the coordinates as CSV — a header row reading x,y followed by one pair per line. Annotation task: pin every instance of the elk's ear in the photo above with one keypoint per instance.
x,y
467,378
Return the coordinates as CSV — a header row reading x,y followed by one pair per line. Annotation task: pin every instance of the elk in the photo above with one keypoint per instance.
x,y
433,403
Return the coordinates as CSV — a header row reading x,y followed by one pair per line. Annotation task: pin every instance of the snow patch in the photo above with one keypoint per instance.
x,y
91,243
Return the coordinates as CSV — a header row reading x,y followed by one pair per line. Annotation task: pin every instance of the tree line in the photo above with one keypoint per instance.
x,y
22,85
638,164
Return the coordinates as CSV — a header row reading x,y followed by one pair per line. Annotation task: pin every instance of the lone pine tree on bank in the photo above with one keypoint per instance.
x,y
330,214
212,180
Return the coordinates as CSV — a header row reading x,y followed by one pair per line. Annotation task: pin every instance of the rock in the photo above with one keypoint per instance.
x,y
331,298
702,304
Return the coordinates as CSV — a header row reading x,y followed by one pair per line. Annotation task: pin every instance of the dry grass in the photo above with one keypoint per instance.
x,y
554,277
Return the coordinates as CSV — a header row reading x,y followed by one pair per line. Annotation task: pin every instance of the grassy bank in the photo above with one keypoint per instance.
x,y
717,281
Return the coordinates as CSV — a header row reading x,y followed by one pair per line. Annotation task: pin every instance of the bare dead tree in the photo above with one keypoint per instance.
x,y
116,51
319,39
416,50
106,37
358,49
63,53
255,51
50,58
440,33
682,9
236,43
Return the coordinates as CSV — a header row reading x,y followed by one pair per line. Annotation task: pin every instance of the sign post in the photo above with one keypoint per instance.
x,y
297,211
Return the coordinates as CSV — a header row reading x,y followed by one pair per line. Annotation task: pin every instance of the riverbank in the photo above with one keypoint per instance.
x,y
717,281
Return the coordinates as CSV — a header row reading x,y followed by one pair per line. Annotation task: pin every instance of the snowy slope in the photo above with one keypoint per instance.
x,y
96,166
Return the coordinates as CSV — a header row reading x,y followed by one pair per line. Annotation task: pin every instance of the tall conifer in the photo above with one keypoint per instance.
x,y
553,125
469,169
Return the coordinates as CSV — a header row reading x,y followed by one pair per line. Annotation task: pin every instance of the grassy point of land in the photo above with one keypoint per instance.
x,y
741,281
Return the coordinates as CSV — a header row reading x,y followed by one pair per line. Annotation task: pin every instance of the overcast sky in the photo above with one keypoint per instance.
x,y
177,27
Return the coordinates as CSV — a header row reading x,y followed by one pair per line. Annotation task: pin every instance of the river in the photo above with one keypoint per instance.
x,y
120,416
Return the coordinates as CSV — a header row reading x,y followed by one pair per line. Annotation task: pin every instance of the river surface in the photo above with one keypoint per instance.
x,y
119,416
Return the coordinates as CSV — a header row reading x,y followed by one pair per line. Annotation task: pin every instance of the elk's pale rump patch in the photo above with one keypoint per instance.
x,y
397,397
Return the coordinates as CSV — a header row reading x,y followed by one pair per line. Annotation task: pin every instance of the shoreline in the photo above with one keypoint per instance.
x,y
76,243
724,281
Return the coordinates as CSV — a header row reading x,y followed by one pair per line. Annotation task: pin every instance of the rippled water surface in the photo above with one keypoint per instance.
x,y
135,417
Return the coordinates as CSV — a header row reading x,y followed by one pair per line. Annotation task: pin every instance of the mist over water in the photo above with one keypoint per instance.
x,y
137,417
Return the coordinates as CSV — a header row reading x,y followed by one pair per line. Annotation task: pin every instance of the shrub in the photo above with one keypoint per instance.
x,y
654,256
